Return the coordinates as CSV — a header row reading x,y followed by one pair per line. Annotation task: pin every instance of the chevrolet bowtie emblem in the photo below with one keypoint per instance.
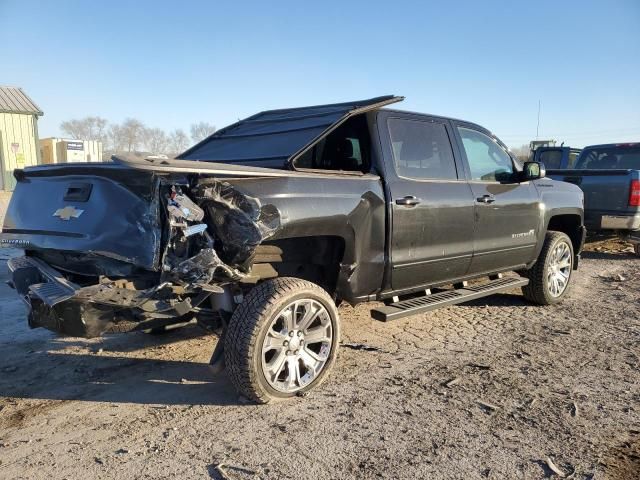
x,y
67,212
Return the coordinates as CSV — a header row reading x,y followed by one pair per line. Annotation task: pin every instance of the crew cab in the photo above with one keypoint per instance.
x,y
263,228
609,176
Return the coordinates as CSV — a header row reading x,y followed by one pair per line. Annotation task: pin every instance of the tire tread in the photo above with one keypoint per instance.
x,y
244,328
535,291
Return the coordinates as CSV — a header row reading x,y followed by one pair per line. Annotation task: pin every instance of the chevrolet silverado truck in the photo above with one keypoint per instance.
x,y
263,228
609,176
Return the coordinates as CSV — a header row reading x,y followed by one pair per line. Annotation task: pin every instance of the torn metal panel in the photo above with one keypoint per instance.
x,y
220,250
110,306
205,267
238,222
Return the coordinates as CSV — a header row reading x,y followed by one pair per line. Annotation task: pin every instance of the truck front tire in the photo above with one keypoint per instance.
x,y
282,340
550,276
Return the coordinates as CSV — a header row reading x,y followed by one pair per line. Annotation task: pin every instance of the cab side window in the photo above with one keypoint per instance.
x,y
345,149
488,161
551,158
421,150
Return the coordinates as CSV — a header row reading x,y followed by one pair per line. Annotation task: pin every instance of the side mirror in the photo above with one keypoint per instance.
x,y
533,170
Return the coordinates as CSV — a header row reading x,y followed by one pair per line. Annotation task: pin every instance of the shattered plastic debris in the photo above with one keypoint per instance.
x,y
193,229
181,206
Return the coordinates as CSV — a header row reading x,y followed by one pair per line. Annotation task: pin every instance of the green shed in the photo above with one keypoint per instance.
x,y
19,146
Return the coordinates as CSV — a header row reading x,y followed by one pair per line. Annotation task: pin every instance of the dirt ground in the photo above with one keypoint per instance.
x,y
492,389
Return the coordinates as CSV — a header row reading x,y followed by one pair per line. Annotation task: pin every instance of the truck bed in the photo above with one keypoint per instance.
x,y
606,196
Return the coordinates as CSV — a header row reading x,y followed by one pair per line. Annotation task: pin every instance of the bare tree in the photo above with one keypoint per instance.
x,y
88,128
132,135
97,128
155,140
201,130
73,128
114,139
522,152
178,141
131,132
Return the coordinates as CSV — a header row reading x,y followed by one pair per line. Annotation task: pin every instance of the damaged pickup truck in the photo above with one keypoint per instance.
x,y
262,229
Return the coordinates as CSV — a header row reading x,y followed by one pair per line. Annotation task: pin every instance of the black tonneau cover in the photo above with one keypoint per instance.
x,y
275,137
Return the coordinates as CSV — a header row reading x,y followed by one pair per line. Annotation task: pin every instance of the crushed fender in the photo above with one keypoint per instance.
x,y
221,249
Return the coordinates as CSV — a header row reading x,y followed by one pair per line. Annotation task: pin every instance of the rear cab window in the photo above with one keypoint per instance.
x,y
610,157
421,149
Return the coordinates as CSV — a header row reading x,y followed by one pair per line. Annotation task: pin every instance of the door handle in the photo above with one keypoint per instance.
x,y
408,201
486,199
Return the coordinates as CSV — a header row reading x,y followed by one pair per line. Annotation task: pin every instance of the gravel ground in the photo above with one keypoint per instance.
x,y
492,389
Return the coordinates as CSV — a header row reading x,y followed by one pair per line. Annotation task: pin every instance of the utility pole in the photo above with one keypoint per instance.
x,y
538,125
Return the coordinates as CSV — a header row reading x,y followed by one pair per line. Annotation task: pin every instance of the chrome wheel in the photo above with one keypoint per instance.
x,y
559,269
297,345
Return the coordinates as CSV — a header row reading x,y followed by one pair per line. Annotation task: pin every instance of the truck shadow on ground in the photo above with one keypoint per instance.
x,y
107,374
134,341
592,255
99,378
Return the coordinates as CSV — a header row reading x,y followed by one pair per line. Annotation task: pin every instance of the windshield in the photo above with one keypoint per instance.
x,y
609,158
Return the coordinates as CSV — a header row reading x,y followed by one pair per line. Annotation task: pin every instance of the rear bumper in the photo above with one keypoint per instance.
x,y
56,304
53,302
596,221
620,222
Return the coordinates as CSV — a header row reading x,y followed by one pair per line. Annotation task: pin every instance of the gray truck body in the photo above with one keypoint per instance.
x,y
110,247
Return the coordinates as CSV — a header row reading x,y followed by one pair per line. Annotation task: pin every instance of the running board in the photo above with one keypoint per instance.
x,y
413,306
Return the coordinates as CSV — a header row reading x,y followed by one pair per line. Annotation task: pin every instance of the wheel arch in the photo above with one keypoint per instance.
x,y
569,224
317,259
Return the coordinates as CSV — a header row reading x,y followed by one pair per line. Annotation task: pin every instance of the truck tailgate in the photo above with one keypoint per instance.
x,y
606,191
107,210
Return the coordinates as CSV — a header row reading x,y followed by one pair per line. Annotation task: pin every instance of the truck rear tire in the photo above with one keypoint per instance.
x,y
550,277
282,340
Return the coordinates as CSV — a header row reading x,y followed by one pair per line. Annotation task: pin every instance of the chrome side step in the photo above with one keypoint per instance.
x,y
412,306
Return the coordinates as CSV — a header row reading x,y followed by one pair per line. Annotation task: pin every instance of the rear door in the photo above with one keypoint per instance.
x,y
506,212
432,206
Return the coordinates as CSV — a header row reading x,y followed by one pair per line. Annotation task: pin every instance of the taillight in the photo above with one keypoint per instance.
x,y
634,194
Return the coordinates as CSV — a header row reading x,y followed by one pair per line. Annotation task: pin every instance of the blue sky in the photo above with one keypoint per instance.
x,y
170,64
